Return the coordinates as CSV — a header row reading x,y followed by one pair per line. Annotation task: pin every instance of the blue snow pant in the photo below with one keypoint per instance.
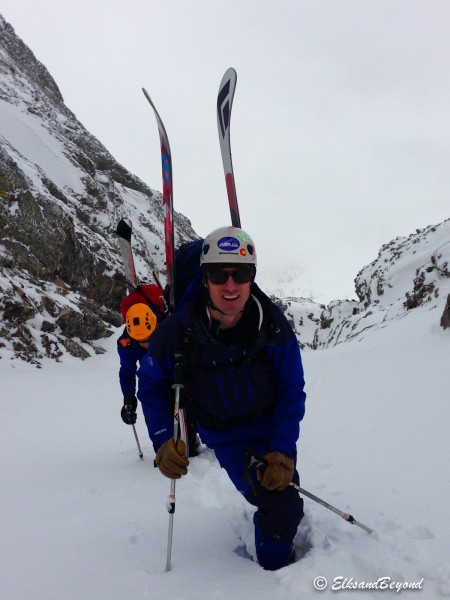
x,y
278,514
276,521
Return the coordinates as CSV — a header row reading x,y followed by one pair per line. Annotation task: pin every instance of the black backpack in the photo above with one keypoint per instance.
x,y
188,273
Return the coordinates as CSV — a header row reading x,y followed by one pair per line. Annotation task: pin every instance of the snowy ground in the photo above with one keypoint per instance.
x,y
83,518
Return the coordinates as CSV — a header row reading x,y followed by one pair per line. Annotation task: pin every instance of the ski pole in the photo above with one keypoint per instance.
x,y
177,385
253,460
141,455
344,515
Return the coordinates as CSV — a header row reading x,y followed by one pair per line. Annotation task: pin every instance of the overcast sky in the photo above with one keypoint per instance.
x,y
340,129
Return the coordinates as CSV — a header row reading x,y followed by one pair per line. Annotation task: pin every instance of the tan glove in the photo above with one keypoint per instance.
x,y
170,460
279,471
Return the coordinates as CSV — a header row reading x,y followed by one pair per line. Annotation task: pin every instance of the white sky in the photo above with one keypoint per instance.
x,y
341,120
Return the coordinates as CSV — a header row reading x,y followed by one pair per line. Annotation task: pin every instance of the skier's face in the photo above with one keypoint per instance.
x,y
229,297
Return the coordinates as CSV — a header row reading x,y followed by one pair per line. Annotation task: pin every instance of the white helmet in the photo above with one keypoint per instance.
x,y
228,245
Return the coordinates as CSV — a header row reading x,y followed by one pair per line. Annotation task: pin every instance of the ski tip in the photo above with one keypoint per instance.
x,y
230,78
147,95
230,72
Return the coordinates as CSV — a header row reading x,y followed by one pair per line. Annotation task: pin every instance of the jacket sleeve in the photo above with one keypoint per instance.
x,y
127,370
155,378
290,401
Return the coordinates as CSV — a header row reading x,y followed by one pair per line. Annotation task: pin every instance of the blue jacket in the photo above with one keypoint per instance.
x,y
244,384
130,354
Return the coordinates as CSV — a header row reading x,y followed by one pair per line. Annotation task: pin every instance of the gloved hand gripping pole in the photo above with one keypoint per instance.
x,y
254,461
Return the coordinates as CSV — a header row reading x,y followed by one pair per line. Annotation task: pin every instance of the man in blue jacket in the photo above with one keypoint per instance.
x,y
244,383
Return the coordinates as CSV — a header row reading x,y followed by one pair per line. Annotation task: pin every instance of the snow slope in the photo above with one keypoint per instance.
x,y
82,517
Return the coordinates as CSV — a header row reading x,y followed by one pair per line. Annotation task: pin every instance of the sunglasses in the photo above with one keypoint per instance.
x,y
240,275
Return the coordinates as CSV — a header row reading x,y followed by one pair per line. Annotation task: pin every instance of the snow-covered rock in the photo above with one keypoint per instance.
x,y
61,197
409,273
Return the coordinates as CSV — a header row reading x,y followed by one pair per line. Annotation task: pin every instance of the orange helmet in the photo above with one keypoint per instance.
x,y
140,322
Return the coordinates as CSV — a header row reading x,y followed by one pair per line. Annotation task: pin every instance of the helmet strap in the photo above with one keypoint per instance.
x,y
214,307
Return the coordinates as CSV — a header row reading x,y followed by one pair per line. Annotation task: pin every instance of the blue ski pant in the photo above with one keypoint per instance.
x,y
278,513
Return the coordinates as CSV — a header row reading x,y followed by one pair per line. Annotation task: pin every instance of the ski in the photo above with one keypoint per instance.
x,y
166,160
124,231
224,104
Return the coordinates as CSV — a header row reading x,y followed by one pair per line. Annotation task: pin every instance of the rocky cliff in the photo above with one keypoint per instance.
x,y
61,196
409,273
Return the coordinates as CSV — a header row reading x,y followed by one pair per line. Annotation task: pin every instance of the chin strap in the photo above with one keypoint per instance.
x,y
212,306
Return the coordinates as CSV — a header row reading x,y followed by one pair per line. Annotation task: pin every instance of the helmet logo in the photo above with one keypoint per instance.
x,y
229,244
244,237
243,252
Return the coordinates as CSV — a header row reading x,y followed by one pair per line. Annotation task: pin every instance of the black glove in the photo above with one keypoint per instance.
x,y
128,412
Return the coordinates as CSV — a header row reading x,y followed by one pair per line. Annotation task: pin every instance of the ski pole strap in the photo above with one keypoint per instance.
x,y
180,424
253,461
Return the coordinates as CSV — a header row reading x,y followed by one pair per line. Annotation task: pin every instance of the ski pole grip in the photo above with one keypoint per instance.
x,y
179,371
254,461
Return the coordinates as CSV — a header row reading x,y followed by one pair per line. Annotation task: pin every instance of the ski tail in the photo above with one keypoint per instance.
x,y
224,104
166,160
124,232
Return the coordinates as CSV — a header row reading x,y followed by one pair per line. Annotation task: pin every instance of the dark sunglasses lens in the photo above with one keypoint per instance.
x,y
242,276
221,277
218,277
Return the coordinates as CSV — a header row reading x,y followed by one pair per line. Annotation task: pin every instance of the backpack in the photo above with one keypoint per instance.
x,y
147,294
188,273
